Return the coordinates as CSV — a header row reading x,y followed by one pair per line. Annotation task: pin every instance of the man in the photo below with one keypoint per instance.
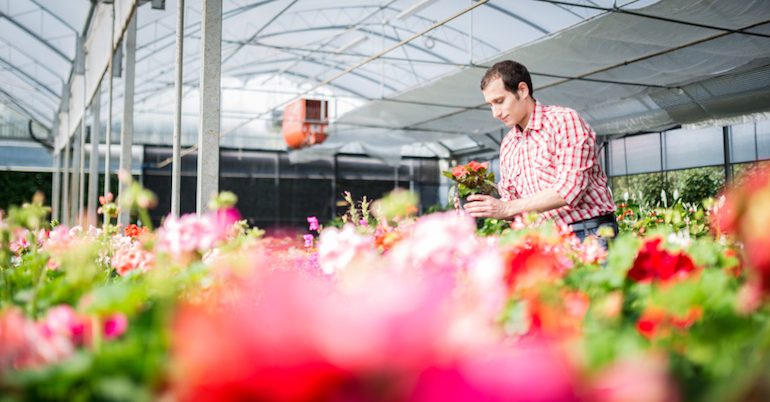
x,y
548,161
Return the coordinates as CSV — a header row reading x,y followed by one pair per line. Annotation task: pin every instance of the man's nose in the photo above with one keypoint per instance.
x,y
496,112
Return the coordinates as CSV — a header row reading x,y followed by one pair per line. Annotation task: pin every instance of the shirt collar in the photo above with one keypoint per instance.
x,y
535,121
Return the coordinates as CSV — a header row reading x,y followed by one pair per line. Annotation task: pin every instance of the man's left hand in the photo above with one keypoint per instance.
x,y
485,206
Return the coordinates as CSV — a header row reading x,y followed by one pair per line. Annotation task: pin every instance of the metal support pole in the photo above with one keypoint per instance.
x,y
277,189
127,129
176,164
210,87
607,156
726,131
470,36
82,159
108,135
411,175
65,208
93,159
395,177
72,213
335,173
56,186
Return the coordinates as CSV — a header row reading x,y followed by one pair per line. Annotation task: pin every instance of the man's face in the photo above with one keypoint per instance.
x,y
510,108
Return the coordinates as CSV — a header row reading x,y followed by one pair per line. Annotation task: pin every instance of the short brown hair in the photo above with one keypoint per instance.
x,y
511,72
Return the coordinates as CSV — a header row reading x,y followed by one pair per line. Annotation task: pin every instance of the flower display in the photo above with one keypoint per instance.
x,y
387,305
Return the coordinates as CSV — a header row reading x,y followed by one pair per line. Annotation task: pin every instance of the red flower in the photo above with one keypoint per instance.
x,y
654,262
459,172
650,323
475,166
531,264
134,231
656,322
686,321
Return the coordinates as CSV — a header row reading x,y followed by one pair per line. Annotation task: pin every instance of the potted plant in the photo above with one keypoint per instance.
x,y
472,178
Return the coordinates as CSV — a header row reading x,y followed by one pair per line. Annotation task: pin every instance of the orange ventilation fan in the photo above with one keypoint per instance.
x,y
305,122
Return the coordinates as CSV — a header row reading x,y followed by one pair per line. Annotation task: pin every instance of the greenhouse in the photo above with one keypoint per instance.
x,y
325,200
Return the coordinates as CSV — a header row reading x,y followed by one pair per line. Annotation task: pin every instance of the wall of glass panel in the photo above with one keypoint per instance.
x,y
664,161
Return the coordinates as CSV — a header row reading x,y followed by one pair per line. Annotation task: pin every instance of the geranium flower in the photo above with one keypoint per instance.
x,y
441,241
653,262
386,339
193,233
475,166
133,257
134,231
531,263
459,172
337,249
656,322
115,326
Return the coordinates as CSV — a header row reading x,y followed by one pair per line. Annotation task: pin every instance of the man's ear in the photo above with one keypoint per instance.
x,y
523,90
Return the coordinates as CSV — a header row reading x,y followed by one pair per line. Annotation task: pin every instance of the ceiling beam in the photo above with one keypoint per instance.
x,y
36,36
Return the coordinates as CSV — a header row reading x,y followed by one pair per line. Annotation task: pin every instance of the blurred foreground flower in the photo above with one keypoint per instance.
x,y
746,215
388,340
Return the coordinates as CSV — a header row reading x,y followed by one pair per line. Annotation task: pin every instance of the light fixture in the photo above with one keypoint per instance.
x,y
414,8
351,44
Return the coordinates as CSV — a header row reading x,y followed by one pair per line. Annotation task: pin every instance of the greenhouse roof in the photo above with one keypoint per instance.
x,y
401,75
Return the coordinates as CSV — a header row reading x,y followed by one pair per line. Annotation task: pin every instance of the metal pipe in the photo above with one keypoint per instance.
x,y
727,149
82,159
108,135
176,168
65,210
210,104
93,159
127,128
56,186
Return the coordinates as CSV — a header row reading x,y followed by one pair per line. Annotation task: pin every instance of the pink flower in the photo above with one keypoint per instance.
x,y
475,166
105,199
459,172
62,320
312,223
132,257
192,233
641,378
308,240
441,241
393,326
337,249
115,326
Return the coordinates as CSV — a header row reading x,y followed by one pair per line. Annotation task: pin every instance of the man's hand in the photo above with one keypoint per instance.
x,y
485,206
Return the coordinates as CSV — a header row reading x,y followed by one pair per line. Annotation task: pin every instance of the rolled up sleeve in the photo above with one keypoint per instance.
x,y
575,146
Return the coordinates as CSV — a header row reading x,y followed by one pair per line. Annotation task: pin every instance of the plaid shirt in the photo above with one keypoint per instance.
x,y
556,150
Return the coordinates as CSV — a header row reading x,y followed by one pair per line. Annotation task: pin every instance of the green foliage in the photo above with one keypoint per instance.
x,y
698,186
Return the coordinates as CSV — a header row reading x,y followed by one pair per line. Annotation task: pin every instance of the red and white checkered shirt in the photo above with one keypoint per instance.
x,y
556,150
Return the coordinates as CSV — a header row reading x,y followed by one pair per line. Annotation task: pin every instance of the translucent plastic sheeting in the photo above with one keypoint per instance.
x,y
625,73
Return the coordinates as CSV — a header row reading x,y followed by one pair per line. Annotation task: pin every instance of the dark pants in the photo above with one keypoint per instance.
x,y
591,227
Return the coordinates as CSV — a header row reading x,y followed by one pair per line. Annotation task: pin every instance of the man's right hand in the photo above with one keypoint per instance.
x,y
485,206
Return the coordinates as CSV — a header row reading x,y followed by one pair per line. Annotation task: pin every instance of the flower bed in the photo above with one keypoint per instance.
x,y
387,307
